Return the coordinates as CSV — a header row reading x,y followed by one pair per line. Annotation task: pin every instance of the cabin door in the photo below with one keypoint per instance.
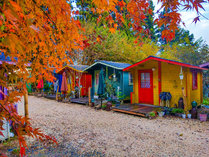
x,y
146,86
96,81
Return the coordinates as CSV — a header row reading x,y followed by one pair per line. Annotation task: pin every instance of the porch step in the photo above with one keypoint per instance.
x,y
80,101
130,112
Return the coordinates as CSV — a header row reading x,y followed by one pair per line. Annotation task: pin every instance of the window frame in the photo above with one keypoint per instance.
x,y
194,76
130,79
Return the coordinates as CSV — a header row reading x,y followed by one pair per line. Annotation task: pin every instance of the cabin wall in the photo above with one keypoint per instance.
x,y
197,94
127,88
122,79
145,66
170,82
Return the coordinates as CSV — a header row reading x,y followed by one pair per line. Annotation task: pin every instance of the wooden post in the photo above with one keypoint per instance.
x,y
89,94
189,86
201,87
159,81
57,92
184,98
26,105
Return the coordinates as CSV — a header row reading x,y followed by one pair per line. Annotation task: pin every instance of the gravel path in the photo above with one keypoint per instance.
x,y
116,134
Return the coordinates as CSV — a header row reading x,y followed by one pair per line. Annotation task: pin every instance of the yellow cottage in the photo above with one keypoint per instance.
x,y
154,76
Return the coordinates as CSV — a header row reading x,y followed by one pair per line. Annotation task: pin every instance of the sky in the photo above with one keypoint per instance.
x,y
201,28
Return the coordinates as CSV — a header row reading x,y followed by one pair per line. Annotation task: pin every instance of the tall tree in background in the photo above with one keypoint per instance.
x,y
119,46
150,25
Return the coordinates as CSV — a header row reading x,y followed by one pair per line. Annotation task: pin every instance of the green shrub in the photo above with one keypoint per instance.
x,y
206,101
177,110
104,106
152,114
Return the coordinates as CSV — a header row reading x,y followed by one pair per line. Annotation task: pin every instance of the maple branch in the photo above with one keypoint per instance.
x,y
45,13
203,16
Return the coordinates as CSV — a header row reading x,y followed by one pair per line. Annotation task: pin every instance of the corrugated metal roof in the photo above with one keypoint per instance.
x,y
205,65
116,65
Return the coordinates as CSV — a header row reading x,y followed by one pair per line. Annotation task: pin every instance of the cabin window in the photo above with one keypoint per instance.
x,y
130,79
145,80
194,80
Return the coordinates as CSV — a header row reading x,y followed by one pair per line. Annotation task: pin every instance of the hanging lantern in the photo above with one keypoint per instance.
x,y
181,76
114,76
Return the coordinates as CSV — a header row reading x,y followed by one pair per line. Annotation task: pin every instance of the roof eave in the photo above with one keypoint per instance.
x,y
67,66
102,64
162,60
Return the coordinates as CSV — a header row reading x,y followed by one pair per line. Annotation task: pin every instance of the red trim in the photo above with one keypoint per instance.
x,y
131,97
159,79
164,60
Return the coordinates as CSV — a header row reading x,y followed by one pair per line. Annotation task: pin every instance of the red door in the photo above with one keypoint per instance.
x,y
146,86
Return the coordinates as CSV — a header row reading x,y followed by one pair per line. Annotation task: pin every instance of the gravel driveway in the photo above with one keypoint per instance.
x,y
117,134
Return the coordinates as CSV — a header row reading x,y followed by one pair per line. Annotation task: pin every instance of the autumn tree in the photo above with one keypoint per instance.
x,y
44,34
100,44
39,34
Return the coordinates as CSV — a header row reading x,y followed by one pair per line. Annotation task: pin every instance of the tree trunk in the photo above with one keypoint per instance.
x,y
26,104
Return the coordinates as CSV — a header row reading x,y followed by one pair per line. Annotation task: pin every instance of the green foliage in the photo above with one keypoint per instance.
x,y
177,110
193,54
104,106
46,87
101,44
149,23
152,114
111,86
16,151
121,96
206,101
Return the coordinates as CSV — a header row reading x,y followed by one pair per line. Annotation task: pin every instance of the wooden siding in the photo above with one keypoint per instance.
x,y
170,82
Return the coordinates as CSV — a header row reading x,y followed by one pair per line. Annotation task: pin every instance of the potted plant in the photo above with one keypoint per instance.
x,y
167,110
108,106
160,112
177,112
189,115
203,116
152,115
183,115
104,106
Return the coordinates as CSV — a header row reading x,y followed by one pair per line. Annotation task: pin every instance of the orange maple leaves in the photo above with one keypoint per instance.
x,y
137,10
38,33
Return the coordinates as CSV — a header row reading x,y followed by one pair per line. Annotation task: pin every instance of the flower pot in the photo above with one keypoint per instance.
x,y
178,114
183,116
109,105
189,116
203,117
